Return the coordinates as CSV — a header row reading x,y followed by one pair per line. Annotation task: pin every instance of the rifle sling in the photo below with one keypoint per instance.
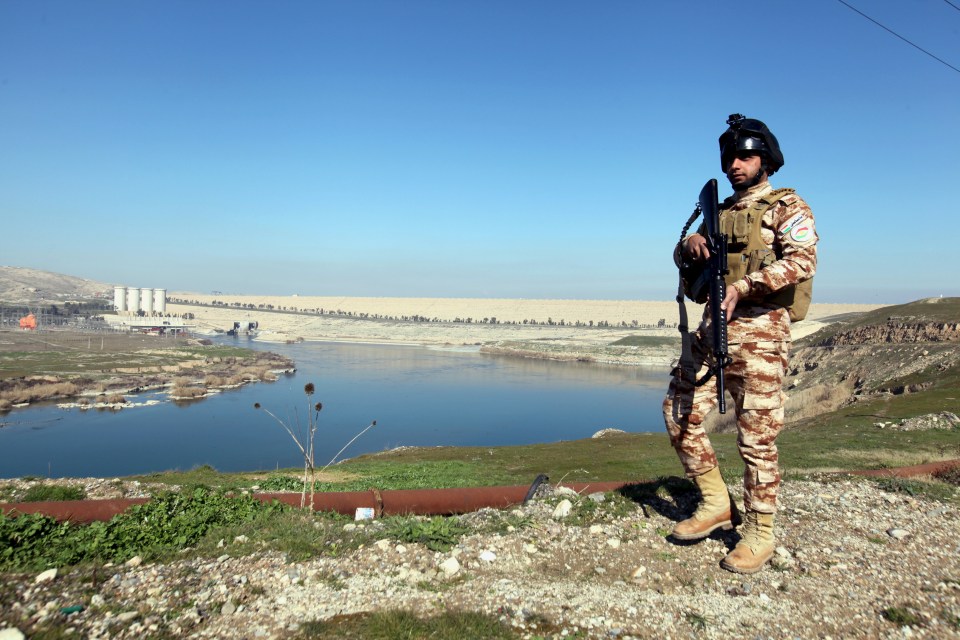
x,y
687,363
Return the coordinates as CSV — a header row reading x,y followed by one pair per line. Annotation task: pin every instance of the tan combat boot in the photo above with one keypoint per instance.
x,y
755,546
714,512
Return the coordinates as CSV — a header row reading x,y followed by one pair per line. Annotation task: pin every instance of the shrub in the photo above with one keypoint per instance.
x,y
214,381
902,616
189,392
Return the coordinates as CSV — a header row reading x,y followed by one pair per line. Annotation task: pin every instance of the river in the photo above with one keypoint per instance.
x,y
418,397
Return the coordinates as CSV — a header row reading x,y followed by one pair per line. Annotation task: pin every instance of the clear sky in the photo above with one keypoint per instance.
x,y
466,148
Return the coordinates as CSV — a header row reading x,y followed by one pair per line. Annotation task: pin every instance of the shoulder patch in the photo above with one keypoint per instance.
x,y
803,232
786,227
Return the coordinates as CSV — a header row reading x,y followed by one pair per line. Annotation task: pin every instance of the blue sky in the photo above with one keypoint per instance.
x,y
520,149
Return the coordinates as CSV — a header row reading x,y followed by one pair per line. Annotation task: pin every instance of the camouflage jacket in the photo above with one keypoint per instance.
x,y
788,228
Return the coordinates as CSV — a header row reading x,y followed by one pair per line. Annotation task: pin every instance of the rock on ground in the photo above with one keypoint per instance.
x,y
852,560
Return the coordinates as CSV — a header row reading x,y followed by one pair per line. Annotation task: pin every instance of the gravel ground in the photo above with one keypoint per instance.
x,y
853,561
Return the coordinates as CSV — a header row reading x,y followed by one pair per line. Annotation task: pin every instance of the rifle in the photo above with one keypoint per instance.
x,y
716,268
705,283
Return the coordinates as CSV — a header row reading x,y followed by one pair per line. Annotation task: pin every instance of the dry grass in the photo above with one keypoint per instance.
x,y
28,391
214,381
188,392
889,458
184,388
262,373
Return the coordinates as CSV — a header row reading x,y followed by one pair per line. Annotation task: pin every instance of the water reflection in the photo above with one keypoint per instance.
x,y
419,397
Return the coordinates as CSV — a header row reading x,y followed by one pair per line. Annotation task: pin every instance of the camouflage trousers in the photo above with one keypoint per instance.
x,y
754,380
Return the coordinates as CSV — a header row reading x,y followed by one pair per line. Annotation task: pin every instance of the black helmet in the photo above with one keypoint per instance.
x,y
747,134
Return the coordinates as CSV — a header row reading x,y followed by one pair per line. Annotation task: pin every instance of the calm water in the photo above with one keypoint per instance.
x,y
418,396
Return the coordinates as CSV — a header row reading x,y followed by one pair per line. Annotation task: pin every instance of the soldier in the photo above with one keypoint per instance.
x,y
772,257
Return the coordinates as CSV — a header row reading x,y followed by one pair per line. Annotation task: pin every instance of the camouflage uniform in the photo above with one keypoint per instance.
x,y
758,334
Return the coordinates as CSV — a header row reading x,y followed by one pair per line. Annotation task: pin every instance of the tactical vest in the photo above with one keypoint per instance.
x,y
747,253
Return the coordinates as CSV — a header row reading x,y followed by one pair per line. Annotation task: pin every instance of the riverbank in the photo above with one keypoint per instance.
x,y
556,329
98,370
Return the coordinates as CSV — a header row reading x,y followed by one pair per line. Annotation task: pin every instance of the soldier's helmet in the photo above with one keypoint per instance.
x,y
747,134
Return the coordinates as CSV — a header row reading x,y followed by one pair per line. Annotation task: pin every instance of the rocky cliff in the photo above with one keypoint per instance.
x,y
897,332
895,350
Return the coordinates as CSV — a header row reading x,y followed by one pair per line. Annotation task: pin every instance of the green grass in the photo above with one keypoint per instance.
x,y
297,534
901,616
405,625
849,439
368,471
845,440
70,354
44,493
696,620
437,534
20,364
647,341
153,530
200,476
617,457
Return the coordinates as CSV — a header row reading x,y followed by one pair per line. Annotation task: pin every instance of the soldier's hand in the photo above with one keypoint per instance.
x,y
696,247
730,302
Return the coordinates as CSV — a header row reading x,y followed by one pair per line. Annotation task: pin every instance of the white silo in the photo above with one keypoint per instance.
x,y
120,299
160,300
133,300
146,301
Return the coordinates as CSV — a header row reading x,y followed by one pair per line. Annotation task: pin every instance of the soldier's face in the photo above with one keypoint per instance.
x,y
743,170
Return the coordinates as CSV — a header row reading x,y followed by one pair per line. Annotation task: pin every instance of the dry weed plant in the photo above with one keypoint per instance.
x,y
34,392
305,441
185,393
186,388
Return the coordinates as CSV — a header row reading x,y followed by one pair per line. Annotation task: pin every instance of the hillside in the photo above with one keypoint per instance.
x,y
898,349
907,353
21,285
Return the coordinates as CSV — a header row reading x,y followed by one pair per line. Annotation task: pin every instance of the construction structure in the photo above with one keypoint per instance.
x,y
144,309
133,300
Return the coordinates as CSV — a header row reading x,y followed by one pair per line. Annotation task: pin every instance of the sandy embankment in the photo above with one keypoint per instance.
x,y
385,321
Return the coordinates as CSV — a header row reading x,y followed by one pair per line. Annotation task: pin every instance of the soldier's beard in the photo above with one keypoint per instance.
x,y
748,183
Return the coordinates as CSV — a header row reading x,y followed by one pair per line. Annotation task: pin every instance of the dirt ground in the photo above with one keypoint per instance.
x,y
107,341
